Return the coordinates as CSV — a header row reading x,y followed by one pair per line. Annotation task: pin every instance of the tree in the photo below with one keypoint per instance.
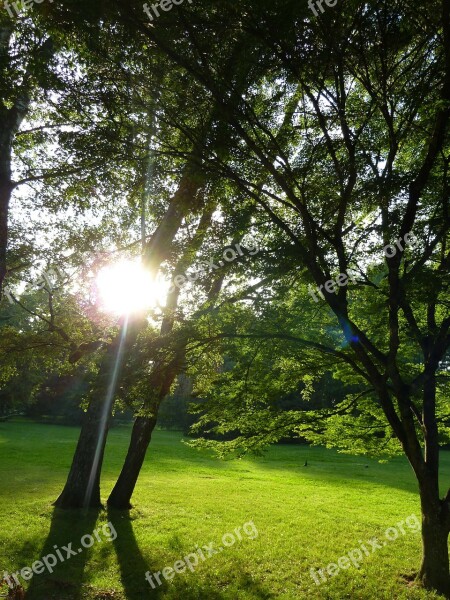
x,y
366,164
25,58
341,142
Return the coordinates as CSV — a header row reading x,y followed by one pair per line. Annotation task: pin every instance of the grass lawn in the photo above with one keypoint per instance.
x,y
305,517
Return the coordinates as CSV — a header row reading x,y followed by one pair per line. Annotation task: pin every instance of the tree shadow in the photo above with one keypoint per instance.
x,y
66,581
130,559
132,562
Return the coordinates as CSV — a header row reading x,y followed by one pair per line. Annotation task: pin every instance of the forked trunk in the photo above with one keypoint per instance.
x,y
82,489
141,436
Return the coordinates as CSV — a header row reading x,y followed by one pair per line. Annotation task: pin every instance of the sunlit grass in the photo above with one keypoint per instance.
x,y
306,517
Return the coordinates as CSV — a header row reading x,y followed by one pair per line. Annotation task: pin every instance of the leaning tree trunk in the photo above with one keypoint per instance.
x,y
83,485
82,489
120,497
141,436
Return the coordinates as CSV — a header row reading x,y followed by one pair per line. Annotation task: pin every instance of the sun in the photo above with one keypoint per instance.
x,y
126,287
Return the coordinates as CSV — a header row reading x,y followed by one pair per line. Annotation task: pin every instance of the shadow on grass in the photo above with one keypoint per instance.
x,y
66,581
133,566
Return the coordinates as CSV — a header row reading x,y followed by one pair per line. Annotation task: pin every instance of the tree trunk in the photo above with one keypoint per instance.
x,y
160,383
82,489
5,196
120,497
83,485
141,436
434,572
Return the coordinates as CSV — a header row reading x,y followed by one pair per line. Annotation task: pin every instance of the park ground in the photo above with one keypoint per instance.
x,y
306,517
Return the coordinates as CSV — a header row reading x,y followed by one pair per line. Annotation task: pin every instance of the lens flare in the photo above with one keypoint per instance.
x,y
126,287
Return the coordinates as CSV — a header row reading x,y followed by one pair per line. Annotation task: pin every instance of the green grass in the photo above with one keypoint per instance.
x,y
306,517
